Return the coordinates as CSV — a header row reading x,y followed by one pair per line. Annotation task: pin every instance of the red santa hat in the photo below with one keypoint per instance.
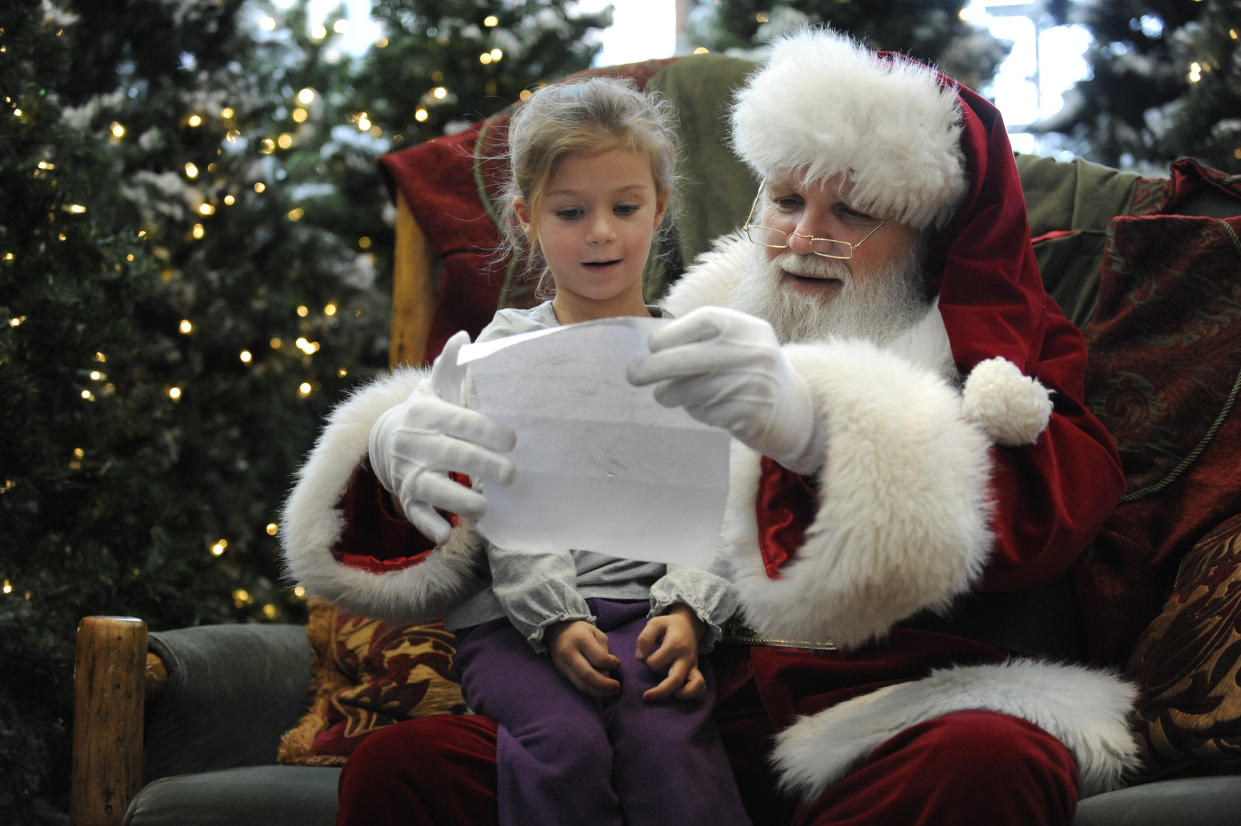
x,y
925,151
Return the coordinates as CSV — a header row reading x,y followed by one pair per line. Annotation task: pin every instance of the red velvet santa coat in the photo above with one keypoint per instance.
x,y
914,507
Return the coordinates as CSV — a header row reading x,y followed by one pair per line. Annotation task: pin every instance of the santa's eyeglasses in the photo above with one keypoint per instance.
x,y
779,239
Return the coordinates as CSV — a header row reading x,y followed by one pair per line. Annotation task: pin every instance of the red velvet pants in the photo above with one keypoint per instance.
x,y
966,768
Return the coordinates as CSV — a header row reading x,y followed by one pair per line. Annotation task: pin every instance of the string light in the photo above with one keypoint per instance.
x,y
439,93
186,326
246,356
7,587
272,529
117,130
17,321
191,170
299,115
227,113
329,310
284,141
267,23
296,214
318,32
270,611
174,393
299,592
219,547
198,231
491,21
421,114
242,598
195,120
304,389
74,209
302,311
260,187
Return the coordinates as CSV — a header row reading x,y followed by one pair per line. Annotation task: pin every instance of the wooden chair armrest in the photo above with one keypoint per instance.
x,y
112,678
413,289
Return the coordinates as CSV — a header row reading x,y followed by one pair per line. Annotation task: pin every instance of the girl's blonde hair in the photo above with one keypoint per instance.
x,y
588,116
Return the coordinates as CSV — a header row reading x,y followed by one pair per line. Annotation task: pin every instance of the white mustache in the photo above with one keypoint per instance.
x,y
812,265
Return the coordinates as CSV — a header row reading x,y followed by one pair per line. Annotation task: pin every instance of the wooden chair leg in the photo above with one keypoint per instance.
x,y
109,677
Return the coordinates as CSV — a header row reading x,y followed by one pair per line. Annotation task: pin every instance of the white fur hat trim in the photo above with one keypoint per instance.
x,y
823,105
1011,407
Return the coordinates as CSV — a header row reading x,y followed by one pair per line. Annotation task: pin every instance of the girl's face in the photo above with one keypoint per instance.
x,y
594,225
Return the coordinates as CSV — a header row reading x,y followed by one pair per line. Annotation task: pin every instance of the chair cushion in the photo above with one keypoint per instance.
x,y
249,796
368,673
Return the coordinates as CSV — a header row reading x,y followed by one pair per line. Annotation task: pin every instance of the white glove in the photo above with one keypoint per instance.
x,y
727,369
414,445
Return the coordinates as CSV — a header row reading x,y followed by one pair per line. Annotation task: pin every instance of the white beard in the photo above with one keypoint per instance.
x,y
877,309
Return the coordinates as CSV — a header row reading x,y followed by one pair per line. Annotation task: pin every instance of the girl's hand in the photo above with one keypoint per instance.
x,y
675,637
579,651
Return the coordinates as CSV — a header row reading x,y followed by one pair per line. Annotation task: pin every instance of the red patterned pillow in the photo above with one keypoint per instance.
x,y
1163,377
1188,664
366,674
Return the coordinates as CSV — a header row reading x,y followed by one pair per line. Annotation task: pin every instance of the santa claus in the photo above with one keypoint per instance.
x,y
913,475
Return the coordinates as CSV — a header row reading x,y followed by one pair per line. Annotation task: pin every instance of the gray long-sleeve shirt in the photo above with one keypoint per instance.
x,y
536,590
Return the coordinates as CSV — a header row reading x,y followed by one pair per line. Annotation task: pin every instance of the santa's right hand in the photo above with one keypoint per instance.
x,y
416,444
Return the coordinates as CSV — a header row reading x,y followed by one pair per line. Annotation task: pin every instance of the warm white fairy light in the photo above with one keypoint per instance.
x,y
227,113
421,114
230,199
198,231
439,93
219,547
491,21
174,393
246,356
74,209
7,587
117,130
267,23
318,32
304,389
329,309
272,529
195,120
260,187
299,115
87,395
17,321
296,214
186,326
191,170
302,311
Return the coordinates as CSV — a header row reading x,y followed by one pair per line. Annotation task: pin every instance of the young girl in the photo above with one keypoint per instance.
x,y
589,663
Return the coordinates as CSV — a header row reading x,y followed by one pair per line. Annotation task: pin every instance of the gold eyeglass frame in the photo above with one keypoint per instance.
x,y
811,239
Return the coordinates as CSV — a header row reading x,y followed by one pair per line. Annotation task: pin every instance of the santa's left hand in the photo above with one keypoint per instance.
x,y
727,369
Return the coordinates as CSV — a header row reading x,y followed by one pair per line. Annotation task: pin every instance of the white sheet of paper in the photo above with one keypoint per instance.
x,y
601,466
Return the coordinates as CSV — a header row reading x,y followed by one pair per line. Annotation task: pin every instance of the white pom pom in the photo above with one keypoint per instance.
x,y
1011,407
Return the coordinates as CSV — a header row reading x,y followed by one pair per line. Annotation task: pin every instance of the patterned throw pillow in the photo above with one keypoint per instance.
x,y
1188,664
366,674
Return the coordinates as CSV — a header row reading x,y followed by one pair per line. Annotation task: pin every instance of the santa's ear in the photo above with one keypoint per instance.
x,y
1012,408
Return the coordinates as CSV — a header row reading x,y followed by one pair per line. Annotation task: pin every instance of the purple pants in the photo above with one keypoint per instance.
x,y
566,758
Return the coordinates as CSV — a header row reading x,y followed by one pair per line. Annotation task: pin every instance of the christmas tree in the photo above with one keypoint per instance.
x,y
194,255
1164,82
933,32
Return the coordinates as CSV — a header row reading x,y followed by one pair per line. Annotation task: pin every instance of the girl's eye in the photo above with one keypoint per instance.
x,y
568,213
625,209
